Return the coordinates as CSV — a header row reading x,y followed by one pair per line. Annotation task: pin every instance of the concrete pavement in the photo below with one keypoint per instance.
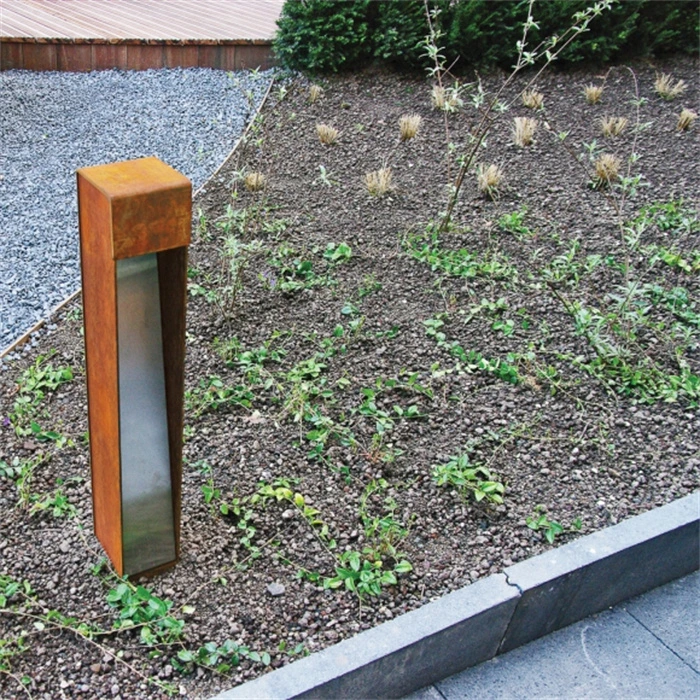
x,y
646,647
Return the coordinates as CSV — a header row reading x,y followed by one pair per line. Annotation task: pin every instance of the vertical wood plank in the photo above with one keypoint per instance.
x,y
11,55
208,56
39,57
227,56
251,56
144,56
181,56
74,57
106,56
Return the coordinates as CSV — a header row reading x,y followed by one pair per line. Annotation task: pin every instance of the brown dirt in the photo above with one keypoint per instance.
x,y
578,443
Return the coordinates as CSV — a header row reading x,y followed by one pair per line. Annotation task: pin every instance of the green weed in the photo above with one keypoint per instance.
x,y
515,223
617,333
458,263
137,607
551,528
471,360
22,472
219,658
292,272
469,479
384,532
674,217
212,394
337,253
363,576
56,503
34,385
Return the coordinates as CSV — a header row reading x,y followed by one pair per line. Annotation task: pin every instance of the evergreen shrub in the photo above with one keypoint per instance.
x,y
330,35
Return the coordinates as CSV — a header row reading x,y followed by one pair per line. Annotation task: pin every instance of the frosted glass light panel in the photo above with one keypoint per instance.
x,y
147,506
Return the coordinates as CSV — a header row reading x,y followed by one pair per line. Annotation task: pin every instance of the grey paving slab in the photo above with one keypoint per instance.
x,y
429,693
672,614
607,656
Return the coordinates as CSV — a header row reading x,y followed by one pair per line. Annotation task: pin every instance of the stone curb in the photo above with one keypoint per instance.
x,y
497,614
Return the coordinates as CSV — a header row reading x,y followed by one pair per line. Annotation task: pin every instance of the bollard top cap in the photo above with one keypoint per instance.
x,y
148,204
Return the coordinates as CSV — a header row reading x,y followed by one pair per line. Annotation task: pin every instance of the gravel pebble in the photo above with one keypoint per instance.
x,y
52,123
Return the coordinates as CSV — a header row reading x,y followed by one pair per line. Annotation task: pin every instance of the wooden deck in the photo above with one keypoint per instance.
x,y
83,35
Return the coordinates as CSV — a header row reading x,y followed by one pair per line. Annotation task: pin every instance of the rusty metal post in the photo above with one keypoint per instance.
x,y
135,220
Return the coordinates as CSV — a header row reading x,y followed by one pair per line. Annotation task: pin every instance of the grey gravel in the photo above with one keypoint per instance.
x,y
54,123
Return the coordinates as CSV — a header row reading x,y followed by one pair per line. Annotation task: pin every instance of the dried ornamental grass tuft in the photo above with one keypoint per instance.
x,y
613,126
378,182
593,93
665,89
254,182
409,125
607,170
524,130
488,179
446,99
315,93
686,119
439,97
533,99
327,134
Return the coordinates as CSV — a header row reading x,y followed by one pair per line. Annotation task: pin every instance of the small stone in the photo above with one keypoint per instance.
x,y
114,690
288,514
64,547
95,668
276,589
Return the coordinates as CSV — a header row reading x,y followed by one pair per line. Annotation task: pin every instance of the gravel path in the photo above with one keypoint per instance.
x,y
53,123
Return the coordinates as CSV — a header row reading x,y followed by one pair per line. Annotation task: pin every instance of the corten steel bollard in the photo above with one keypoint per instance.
x,y
135,219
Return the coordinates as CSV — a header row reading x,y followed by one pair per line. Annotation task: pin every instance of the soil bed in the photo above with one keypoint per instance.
x,y
341,352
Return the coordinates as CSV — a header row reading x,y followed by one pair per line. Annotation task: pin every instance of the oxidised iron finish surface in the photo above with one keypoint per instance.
x,y
100,319
150,204
135,222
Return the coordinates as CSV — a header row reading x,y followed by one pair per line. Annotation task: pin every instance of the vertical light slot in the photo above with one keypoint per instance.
x,y
147,510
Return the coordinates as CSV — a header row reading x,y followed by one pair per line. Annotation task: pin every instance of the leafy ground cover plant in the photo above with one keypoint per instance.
x,y
551,529
469,479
